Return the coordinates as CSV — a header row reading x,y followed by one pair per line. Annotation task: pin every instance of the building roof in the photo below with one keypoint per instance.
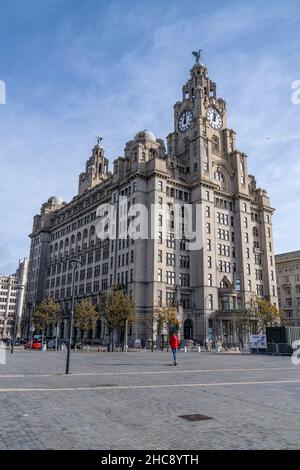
x,y
291,255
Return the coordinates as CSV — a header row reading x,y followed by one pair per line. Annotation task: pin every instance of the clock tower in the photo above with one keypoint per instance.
x,y
200,124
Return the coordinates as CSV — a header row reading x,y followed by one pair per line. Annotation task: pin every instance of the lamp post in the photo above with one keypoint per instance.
x,y
19,287
75,261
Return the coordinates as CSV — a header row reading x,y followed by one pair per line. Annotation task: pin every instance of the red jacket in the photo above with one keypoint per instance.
x,y
174,342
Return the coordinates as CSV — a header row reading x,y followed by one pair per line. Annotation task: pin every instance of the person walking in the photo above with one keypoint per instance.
x,y
174,343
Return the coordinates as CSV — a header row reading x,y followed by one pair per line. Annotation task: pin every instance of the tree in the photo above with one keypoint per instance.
x,y
118,311
85,316
262,313
167,317
46,314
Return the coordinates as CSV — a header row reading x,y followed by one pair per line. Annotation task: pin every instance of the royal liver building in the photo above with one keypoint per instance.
x,y
208,282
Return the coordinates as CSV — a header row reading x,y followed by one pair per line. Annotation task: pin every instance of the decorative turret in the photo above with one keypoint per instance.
x,y
96,169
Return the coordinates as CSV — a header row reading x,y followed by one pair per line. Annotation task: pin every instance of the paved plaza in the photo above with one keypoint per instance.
x,y
135,400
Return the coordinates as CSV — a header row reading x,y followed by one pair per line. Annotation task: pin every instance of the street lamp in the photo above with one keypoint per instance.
x,y
75,261
18,287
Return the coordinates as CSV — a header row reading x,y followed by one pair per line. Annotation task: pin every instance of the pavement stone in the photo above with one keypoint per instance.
x,y
140,396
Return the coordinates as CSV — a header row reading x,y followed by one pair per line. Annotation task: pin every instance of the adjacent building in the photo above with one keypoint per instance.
x,y
12,296
288,285
198,165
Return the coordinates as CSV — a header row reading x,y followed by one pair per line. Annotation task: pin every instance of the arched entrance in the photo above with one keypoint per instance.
x,y
188,329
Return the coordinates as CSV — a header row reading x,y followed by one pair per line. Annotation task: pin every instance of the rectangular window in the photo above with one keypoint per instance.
x,y
159,275
170,259
209,280
170,299
170,278
159,298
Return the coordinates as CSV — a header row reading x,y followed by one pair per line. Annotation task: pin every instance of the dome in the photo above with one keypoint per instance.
x,y
145,135
55,200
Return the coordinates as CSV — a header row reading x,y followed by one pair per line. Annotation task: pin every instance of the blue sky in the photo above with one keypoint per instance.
x,y
75,69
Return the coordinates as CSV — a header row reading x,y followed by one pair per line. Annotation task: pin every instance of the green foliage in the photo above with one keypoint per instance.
x,y
263,313
167,316
117,309
85,315
46,314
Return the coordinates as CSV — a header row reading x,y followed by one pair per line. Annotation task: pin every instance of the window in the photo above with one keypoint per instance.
x,y
207,195
159,298
170,241
170,299
159,256
210,302
215,144
248,269
159,275
209,245
209,262
207,211
244,207
208,228
184,279
184,261
245,222
249,286
170,277
170,259
258,274
160,185
209,280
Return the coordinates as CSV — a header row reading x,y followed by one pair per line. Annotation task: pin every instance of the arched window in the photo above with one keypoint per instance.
x,y
72,239
85,233
78,236
66,242
215,143
218,175
188,329
61,245
55,247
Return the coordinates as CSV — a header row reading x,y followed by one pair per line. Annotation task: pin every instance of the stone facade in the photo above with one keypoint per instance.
x,y
12,296
288,282
200,166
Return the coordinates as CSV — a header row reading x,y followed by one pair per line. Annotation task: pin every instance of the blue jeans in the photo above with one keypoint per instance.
x,y
174,355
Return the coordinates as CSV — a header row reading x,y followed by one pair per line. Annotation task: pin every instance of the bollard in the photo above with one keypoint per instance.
x,y
185,349
199,348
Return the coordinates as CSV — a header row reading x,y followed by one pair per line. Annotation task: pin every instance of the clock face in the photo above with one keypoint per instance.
x,y
185,121
214,118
